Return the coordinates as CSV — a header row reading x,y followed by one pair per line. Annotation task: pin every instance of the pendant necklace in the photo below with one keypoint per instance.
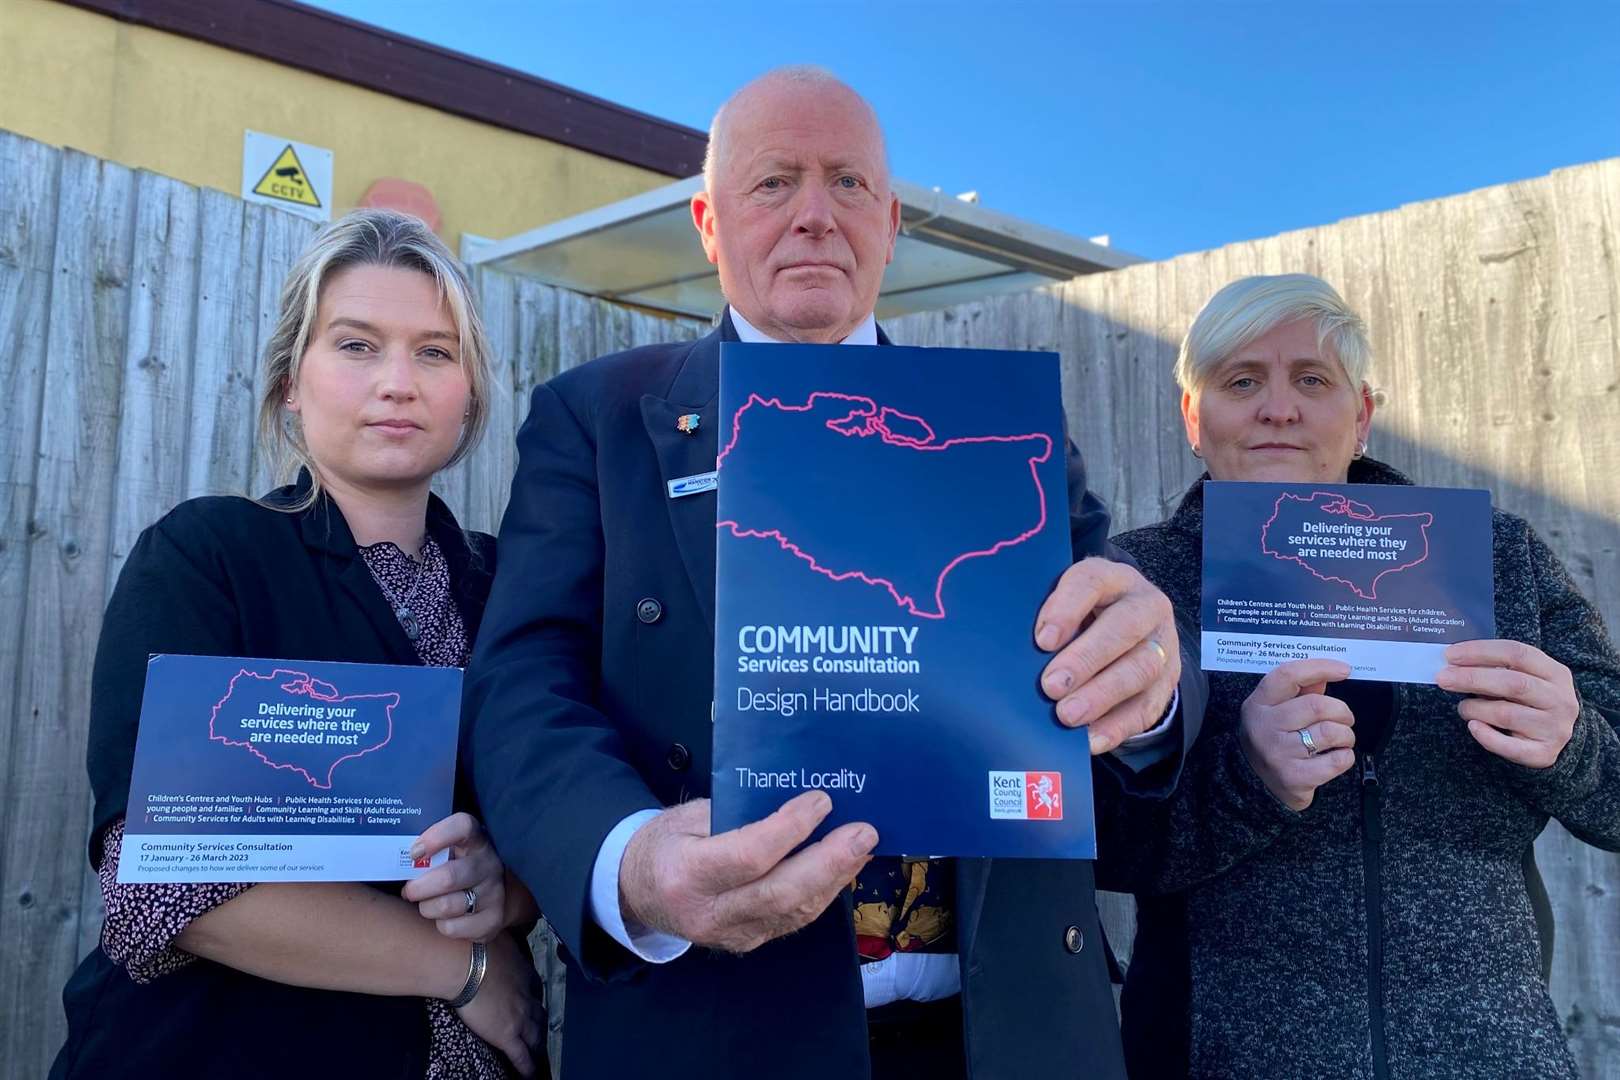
x,y
407,619
402,605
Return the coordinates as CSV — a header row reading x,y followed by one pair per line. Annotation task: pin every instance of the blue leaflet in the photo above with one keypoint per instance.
x,y
890,521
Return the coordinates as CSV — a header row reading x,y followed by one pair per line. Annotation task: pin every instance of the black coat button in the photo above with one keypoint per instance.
x,y
649,610
1073,939
679,758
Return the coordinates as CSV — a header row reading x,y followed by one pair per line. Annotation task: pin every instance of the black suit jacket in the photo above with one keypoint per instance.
x,y
588,698
228,577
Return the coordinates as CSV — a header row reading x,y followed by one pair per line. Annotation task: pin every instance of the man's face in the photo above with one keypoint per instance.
x,y
801,221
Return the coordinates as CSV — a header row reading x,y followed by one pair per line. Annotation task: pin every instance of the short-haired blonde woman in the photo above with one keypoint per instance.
x,y
377,377
1340,882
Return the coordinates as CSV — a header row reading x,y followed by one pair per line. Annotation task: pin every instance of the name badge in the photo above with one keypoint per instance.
x,y
696,484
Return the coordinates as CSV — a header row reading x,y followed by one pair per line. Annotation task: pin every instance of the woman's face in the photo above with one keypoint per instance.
x,y
1279,409
381,392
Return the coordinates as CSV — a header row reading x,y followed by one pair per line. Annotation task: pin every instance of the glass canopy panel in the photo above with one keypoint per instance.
x,y
643,250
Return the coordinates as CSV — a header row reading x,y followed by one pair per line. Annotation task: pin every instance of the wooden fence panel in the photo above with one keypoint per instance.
x,y
27,240
157,351
219,446
154,415
576,331
490,462
1585,882
535,356
69,554
284,237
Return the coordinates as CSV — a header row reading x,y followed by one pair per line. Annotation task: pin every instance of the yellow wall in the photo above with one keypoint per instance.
x,y
158,101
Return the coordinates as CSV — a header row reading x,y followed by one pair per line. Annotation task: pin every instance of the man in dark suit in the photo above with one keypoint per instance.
x,y
590,690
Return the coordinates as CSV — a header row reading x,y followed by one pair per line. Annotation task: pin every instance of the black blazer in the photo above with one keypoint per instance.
x,y
226,576
588,698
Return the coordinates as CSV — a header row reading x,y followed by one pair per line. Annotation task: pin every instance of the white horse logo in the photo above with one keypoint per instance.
x,y
1045,797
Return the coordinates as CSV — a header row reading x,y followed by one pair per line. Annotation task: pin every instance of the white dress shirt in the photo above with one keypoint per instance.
x,y
913,976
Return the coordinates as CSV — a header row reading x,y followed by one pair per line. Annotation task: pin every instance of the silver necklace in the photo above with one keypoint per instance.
x,y
402,604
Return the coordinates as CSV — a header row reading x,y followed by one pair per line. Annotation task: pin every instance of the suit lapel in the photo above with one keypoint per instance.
x,y
695,390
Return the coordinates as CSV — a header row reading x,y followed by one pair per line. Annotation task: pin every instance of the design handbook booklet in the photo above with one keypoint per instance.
x,y
1380,576
288,770
890,521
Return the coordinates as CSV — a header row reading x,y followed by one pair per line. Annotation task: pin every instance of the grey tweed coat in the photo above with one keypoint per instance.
x,y
1268,924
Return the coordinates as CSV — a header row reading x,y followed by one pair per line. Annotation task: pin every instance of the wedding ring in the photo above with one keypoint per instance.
x,y
1153,643
472,900
1311,749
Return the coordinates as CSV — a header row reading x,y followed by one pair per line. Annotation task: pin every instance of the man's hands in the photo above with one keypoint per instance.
x,y
1523,705
1292,698
740,889
1118,675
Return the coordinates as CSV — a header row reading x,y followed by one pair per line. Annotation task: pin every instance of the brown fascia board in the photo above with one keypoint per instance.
x,y
318,41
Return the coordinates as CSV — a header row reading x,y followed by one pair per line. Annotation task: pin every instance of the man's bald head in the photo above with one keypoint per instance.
x,y
796,209
809,77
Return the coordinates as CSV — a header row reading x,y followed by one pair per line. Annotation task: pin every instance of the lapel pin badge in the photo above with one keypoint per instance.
x,y
687,424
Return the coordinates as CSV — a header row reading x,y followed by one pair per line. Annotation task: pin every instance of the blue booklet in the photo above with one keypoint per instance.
x,y
288,770
890,521
1380,576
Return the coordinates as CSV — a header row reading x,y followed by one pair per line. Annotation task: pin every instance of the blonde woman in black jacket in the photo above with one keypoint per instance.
x,y
376,378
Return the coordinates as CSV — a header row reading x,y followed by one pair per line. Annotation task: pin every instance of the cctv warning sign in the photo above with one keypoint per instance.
x,y
290,175
287,181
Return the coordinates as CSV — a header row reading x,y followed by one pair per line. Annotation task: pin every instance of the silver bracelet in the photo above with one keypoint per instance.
x,y
475,976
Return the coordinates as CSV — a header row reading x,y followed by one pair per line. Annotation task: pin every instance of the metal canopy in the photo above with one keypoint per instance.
x,y
643,250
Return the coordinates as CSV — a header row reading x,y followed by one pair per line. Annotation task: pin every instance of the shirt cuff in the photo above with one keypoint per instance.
x,y
653,946
1157,731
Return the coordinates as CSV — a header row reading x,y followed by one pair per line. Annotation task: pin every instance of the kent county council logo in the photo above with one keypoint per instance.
x,y
1026,796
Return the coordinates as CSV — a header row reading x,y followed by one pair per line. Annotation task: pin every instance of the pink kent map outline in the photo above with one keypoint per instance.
x,y
306,685
1335,504
867,419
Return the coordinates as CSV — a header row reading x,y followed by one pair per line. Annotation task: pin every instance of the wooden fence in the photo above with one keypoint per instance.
x,y
1495,324
133,307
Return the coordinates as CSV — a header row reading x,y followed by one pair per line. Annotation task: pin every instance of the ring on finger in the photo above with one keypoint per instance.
x,y
1311,749
472,900
1153,643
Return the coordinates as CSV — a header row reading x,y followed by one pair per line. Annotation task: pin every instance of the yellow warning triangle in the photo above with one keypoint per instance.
x,y
285,180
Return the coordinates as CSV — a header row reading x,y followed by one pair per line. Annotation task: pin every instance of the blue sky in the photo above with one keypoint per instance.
x,y
1170,126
